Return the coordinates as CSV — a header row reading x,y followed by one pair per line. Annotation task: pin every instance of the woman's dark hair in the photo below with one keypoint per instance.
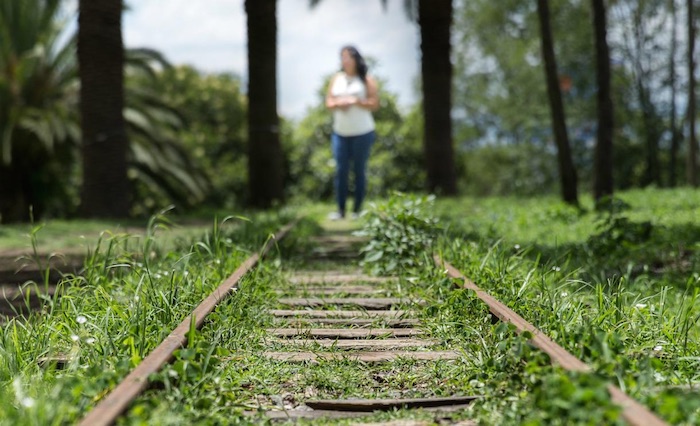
x,y
359,62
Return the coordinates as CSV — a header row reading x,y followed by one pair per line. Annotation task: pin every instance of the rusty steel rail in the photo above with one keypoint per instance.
x,y
118,400
633,412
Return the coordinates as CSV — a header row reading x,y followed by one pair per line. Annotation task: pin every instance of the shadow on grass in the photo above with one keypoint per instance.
x,y
666,254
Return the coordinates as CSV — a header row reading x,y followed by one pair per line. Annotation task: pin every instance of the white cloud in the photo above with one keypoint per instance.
x,y
211,35
207,34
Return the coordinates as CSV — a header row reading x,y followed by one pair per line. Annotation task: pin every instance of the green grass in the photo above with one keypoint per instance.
x,y
82,235
518,383
618,290
546,221
132,294
245,380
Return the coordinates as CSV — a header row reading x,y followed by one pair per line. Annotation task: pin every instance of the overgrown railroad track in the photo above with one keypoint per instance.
x,y
338,345
17,269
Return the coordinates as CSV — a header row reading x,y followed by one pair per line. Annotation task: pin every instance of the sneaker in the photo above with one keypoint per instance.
x,y
335,216
355,215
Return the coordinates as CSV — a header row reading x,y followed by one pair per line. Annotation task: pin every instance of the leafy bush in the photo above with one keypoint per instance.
x,y
213,110
169,116
401,231
617,234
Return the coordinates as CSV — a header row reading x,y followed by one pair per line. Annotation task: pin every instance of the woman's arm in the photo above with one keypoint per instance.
x,y
372,101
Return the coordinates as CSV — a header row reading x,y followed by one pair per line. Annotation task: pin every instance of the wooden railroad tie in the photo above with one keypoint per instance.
x,y
366,303
351,408
353,322
363,356
337,277
315,313
370,405
397,343
342,289
344,333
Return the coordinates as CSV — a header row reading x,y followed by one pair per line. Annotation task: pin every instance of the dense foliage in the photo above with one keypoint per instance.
x,y
501,99
401,232
40,130
212,108
188,136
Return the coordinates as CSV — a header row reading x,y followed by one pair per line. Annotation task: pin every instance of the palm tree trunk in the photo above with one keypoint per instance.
x,y
265,157
692,167
105,191
567,171
435,19
603,162
14,202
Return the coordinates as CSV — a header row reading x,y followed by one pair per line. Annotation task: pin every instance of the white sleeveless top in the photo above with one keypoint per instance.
x,y
355,120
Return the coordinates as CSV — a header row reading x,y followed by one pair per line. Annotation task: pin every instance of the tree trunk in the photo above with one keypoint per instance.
x,y
692,142
652,134
650,117
265,158
435,19
105,191
14,202
23,185
567,171
673,161
602,162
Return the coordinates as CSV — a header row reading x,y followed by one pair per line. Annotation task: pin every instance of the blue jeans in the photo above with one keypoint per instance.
x,y
355,150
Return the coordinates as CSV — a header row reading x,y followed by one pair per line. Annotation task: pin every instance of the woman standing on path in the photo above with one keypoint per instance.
x,y
352,96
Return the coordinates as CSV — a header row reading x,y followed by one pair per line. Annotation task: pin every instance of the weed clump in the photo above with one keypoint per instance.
x,y
401,232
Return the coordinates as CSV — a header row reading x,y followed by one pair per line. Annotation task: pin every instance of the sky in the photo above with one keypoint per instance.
x,y
211,35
